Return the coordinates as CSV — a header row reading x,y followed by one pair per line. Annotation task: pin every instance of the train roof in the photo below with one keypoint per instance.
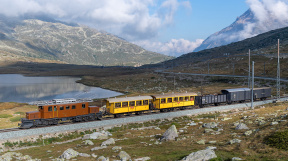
x,y
235,90
125,99
60,101
175,95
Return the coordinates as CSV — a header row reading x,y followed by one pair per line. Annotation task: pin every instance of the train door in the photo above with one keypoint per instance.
x,y
55,112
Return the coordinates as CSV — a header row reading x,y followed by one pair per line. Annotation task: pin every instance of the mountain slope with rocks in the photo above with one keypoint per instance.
x,y
74,44
245,26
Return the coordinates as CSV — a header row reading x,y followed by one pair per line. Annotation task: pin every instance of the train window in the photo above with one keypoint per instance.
x,y
145,102
40,107
83,105
117,105
175,99
50,108
55,108
61,108
186,98
132,103
191,98
124,104
163,100
169,100
73,107
67,107
181,99
138,103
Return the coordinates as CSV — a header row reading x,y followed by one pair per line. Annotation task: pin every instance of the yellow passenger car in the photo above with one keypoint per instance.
x,y
166,102
128,105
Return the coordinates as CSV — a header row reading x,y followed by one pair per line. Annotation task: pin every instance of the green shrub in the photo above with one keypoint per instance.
x,y
15,119
278,140
5,115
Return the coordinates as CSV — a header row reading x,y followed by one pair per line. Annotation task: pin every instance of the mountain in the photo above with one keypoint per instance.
x,y
45,38
245,26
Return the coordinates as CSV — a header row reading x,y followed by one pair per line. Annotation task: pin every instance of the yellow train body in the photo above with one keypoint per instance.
x,y
166,101
128,104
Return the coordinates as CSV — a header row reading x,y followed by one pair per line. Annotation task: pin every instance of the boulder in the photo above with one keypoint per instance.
x,y
201,155
94,155
108,142
274,123
84,155
98,148
102,158
236,158
123,155
142,159
233,141
192,124
241,126
69,153
247,133
88,142
116,148
201,142
97,135
210,125
170,134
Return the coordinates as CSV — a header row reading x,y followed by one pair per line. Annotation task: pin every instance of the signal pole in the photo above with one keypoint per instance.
x,y
278,75
252,86
249,80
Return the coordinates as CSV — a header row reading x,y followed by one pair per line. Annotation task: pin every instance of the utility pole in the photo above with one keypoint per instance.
x,y
249,71
278,75
264,70
252,94
233,68
208,67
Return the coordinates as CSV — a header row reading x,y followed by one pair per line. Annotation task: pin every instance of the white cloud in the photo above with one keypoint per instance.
x,y
174,47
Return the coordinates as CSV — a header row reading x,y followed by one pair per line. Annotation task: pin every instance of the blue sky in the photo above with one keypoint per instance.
x,y
171,27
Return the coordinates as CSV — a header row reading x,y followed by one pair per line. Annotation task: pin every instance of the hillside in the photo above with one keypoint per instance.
x,y
72,44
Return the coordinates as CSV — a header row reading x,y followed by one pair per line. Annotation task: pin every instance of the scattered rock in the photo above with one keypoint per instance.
x,y
226,118
84,155
116,148
236,158
200,155
233,141
123,156
192,124
97,135
210,125
88,142
212,142
102,158
94,155
98,148
69,153
247,133
201,142
170,134
241,126
274,123
142,159
108,142
211,147
49,151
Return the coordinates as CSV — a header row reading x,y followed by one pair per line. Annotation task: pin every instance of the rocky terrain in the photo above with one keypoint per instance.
x,y
74,44
230,135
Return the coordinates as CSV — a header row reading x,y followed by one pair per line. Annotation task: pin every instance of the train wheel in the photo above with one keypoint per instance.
x,y
138,113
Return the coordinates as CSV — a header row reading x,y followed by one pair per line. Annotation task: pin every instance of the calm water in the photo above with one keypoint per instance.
x,y
17,88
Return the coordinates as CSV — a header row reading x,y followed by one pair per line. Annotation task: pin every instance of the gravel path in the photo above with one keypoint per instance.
x,y
119,121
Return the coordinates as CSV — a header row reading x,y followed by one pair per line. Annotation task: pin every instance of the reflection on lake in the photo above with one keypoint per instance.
x,y
17,88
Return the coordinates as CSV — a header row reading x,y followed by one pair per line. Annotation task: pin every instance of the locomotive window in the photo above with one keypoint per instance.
x,y
55,108
61,108
138,103
67,107
186,98
50,108
191,98
181,99
175,99
83,105
73,107
145,102
169,100
117,105
124,104
40,107
163,100
132,103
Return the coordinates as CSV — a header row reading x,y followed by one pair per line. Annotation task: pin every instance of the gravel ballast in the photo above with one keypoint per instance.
x,y
125,120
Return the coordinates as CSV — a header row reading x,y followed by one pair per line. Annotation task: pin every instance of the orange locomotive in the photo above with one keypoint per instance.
x,y
59,111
